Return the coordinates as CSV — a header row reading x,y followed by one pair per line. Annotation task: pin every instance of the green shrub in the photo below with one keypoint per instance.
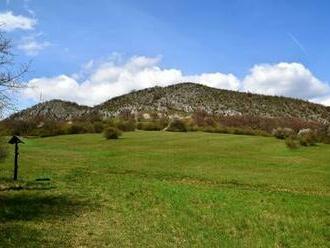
x,y
120,123
235,130
112,133
50,128
242,131
282,133
75,129
325,139
126,126
191,126
4,130
22,128
151,126
201,118
210,130
307,137
98,127
177,125
292,143
323,134
79,128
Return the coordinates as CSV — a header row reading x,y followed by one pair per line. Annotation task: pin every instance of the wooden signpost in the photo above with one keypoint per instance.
x,y
15,141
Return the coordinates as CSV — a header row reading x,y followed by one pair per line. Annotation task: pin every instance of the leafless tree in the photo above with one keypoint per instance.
x,y
11,79
11,74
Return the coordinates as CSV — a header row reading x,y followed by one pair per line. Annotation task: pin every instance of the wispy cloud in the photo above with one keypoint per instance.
x,y
32,46
298,43
10,21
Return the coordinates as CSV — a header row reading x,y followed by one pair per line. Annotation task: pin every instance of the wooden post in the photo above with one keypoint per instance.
x,y
16,162
15,141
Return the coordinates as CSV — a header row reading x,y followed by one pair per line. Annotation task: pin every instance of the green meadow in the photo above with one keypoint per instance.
x,y
163,189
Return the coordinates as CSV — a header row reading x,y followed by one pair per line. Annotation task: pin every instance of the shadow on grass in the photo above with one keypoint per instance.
x,y
17,187
9,185
18,235
31,213
26,207
32,218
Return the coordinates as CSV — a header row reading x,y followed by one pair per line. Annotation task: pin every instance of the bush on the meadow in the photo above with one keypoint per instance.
x,y
75,129
122,124
307,137
267,124
292,143
126,125
282,133
78,128
235,130
98,127
201,118
148,126
177,125
112,133
191,126
50,128
22,128
323,134
326,137
151,125
249,131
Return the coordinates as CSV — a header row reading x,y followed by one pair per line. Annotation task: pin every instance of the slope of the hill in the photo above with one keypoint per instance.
x,y
188,97
53,110
182,99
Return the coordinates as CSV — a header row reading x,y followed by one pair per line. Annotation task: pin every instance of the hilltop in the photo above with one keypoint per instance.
x,y
52,110
183,99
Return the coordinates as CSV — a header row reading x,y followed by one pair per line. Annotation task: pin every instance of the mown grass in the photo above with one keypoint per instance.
x,y
161,189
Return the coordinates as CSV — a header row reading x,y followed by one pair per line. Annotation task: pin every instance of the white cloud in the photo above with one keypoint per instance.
x,y
10,22
109,79
285,79
325,100
54,87
31,46
216,80
98,82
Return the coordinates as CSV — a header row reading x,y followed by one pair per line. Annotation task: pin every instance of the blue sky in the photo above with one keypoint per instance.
x,y
273,47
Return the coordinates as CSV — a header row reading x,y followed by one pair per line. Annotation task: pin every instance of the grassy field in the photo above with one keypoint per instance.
x,y
161,189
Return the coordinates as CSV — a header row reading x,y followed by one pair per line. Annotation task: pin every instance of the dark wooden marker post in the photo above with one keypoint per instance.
x,y
15,141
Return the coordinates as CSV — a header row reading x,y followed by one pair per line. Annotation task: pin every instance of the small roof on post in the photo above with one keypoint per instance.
x,y
15,140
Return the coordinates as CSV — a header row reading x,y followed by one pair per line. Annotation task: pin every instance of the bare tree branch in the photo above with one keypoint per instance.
x,y
11,74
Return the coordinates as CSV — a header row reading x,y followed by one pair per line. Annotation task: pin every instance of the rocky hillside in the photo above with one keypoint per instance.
x,y
52,110
183,99
187,97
